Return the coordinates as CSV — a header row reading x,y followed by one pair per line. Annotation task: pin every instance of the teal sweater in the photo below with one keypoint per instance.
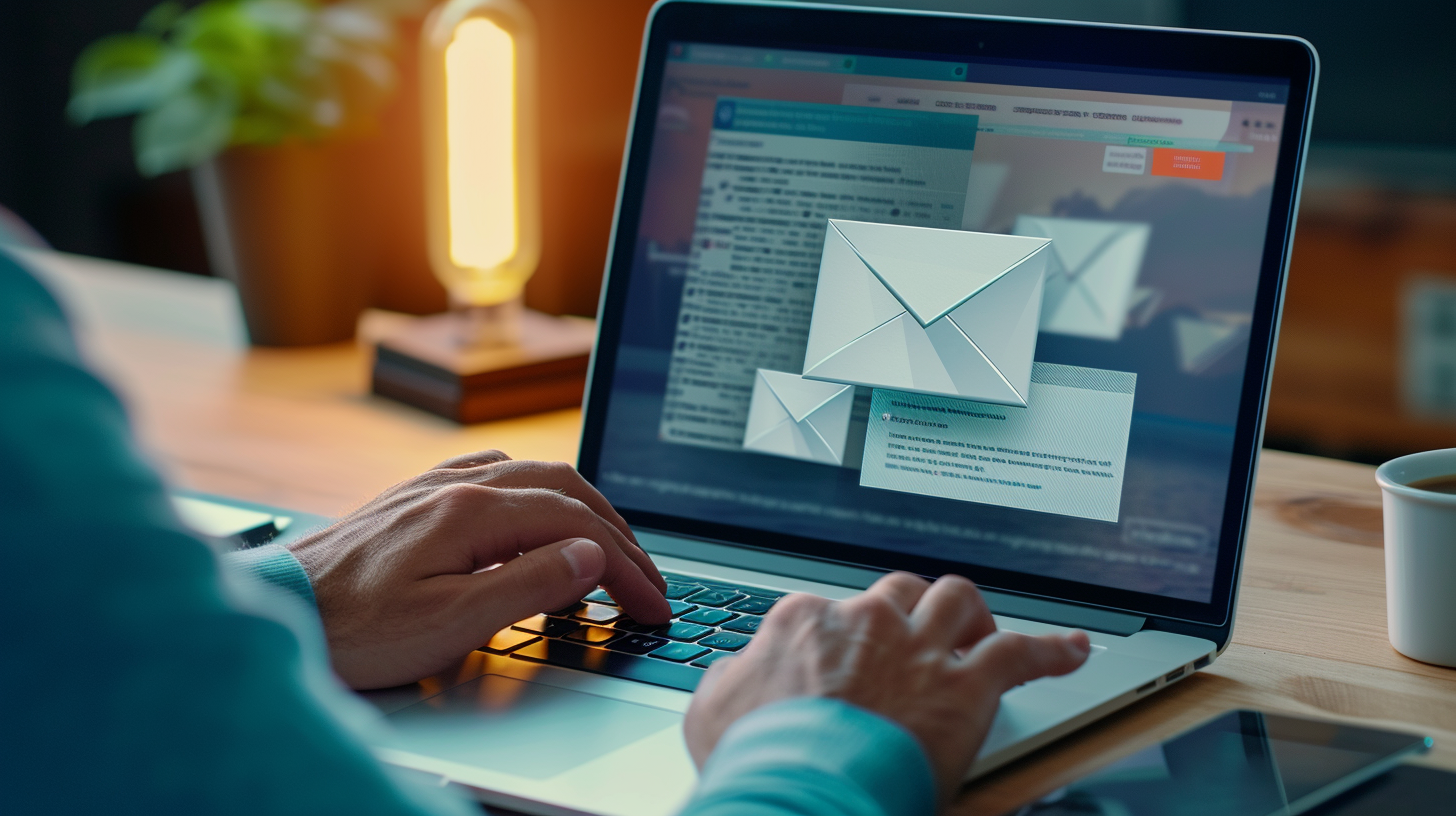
x,y
140,676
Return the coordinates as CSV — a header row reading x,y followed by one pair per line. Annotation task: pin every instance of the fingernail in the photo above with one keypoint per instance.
x,y
1078,646
584,556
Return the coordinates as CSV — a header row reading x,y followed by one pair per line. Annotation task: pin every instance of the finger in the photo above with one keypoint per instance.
x,y
472,460
543,579
1009,659
713,675
561,476
789,612
499,523
952,614
901,589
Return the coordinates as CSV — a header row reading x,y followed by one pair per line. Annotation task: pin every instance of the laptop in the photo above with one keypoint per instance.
x,y
1157,171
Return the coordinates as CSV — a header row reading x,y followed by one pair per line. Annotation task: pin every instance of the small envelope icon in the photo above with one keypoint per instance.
x,y
1090,275
927,310
798,418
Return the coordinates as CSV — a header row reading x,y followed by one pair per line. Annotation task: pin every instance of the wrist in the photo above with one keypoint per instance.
x,y
275,565
845,747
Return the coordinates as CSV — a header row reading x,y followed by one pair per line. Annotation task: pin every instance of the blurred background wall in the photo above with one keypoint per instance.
x,y
1367,364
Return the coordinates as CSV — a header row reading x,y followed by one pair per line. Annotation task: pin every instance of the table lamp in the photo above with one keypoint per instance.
x,y
489,357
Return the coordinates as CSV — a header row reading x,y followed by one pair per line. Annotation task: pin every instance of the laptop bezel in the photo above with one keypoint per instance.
x,y
935,35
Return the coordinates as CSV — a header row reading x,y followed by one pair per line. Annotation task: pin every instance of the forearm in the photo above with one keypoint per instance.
x,y
175,688
815,757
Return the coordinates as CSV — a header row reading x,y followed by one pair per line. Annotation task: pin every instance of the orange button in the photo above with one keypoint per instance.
x,y
1194,164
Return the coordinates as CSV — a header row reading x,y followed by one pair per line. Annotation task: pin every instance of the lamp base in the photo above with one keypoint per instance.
x,y
426,365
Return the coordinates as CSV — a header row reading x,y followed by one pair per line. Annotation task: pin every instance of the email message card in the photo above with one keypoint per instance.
x,y
1064,453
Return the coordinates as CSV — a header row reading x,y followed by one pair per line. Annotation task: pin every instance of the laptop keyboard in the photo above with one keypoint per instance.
x,y
710,619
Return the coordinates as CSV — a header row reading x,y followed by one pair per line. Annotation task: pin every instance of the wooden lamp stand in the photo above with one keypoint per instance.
x,y
485,363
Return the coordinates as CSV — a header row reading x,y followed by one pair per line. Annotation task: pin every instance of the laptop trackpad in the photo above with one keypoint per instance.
x,y
523,728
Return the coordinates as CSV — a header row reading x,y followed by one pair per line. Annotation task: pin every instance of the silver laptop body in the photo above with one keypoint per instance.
x,y
1153,586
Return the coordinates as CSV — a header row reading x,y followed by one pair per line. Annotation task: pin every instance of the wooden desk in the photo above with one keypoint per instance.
x,y
297,428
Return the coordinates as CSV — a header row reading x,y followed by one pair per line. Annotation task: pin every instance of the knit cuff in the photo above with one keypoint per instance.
x,y
273,564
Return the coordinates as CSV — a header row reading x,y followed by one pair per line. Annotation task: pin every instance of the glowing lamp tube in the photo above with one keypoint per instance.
x,y
482,180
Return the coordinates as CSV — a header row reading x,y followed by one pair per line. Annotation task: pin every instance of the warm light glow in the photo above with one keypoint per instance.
x,y
481,150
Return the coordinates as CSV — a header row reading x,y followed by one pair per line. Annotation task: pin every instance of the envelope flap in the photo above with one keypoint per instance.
x,y
1077,242
800,397
932,271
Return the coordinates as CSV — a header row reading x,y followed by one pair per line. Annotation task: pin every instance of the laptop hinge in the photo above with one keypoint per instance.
x,y
828,572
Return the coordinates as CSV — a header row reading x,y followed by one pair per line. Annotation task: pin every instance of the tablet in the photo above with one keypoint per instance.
x,y
1244,762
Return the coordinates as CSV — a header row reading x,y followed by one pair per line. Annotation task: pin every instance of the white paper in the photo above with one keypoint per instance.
x,y
1064,453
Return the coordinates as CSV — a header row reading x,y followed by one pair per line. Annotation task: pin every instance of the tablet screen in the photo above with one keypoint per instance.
x,y
1243,762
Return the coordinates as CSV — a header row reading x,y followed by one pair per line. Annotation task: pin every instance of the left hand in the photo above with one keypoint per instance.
x,y
431,568
925,656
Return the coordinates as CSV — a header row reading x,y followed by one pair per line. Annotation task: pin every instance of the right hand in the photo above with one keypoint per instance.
x,y
926,656
434,566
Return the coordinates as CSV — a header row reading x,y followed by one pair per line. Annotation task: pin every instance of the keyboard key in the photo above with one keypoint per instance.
x,y
748,624
542,625
636,644
752,605
680,652
573,655
597,613
677,630
710,658
709,617
714,597
727,641
680,607
595,635
626,624
676,592
600,596
508,639
564,612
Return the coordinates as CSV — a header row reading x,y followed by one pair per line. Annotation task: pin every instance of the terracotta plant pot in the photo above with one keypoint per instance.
x,y
277,226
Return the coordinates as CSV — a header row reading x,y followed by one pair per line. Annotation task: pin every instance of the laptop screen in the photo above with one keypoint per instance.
x,y
1109,466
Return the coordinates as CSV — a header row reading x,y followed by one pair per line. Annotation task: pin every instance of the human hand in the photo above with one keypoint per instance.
x,y
405,584
926,656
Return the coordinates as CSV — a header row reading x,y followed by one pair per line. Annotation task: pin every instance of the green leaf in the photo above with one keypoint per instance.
x,y
241,72
289,18
227,40
159,20
186,130
127,73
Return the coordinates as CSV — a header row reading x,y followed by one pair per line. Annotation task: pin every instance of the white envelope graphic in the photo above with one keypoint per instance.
x,y
927,310
1201,342
1090,275
798,418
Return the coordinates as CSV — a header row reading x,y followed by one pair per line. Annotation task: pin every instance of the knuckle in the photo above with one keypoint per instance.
x,y
904,580
959,582
878,610
795,607
476,459
458,497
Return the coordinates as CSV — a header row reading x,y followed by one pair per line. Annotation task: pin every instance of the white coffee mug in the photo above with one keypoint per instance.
x,y
1420,557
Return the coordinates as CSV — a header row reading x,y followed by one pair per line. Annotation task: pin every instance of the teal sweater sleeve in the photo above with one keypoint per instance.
x,y
141,678
137,676
275,565
815,757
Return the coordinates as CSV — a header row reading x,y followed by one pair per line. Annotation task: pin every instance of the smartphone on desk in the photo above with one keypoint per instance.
x,y
1243,763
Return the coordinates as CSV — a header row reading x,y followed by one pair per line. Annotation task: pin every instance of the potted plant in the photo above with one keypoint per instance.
x,y
248,94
